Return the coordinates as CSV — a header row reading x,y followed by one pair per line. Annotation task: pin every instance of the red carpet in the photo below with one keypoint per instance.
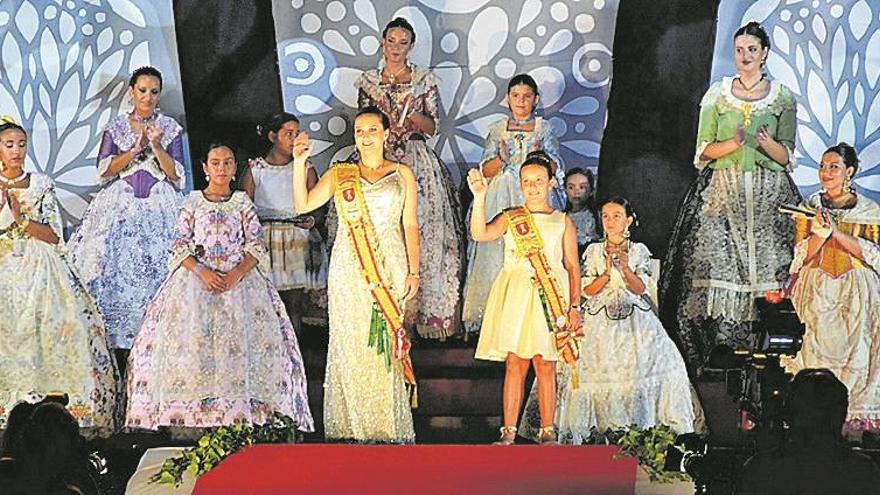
x,y
421,470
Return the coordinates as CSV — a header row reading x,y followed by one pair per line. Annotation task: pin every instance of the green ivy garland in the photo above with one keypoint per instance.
x,y
647,446
219,443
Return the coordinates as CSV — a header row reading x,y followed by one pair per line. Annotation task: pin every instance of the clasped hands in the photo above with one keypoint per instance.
x,y
762,136
216,282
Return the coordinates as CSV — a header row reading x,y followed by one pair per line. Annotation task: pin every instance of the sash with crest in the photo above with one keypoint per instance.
x,y
387,333
530,246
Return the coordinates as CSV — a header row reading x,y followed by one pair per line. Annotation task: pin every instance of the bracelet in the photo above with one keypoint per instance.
x,y
411,274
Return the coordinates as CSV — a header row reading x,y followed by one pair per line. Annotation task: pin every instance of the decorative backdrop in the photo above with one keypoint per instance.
x,y
64,74
828,53
474,46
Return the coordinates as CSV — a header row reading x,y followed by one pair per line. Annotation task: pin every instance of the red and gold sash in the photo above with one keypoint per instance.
x,y
386,325
530,246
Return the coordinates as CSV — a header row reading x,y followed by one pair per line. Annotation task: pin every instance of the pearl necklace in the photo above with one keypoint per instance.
x,y
392,78
524,122
11,182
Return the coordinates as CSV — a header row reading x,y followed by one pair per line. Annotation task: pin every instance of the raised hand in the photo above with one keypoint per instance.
x,y
477,182
141,142
14,205
302,147
764,138
155,136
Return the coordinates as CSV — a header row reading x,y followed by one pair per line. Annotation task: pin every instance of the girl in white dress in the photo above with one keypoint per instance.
x,y
296,247
630,371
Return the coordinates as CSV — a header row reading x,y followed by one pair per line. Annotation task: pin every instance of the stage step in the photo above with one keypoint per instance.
x,y
459,396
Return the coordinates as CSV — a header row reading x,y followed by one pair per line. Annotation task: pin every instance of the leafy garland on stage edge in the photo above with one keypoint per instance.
x,y
647,446
219,443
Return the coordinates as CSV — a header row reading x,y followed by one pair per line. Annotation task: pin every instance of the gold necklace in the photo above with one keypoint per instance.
x,y
11,182
750,89
392,78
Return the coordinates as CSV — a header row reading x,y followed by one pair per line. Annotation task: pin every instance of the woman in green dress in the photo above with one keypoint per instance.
x,y
729,245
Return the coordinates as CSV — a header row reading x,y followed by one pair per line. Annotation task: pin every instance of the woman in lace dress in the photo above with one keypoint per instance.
x,y
51,334
630,371
580,189
837,292
296,249
365,393
122,245
409,97
509,141
216,346
729,244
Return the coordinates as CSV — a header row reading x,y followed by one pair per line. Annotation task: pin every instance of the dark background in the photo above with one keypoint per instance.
x,y
662,61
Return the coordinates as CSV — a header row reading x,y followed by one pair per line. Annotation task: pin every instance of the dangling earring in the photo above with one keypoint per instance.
x,y
233,178
847,184
207,178
2,166
626,232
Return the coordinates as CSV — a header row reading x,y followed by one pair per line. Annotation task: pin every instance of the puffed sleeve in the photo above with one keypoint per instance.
x,y
172,141
787,127
431,103
49,211
183,245
106,153
492,145
254,242
593,264
707,130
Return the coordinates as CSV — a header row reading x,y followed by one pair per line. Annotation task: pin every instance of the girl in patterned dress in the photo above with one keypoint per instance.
x,y
216,346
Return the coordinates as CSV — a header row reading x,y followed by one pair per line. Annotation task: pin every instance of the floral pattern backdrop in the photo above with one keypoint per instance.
x,y
474,46
828,53
64,74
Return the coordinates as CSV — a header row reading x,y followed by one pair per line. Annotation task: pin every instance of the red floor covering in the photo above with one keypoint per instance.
x,y
422,470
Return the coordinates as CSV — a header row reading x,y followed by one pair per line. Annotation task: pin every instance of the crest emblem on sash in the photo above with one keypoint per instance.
x,y
522,228
348,194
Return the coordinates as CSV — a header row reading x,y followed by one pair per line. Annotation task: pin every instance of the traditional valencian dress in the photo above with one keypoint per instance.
x,y
837,297
202,359
299,260
51,334
436,304
729,244
121,248
631,372
485,258
368,367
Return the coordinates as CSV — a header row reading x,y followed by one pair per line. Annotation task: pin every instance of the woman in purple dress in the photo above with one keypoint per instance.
x,y
122,245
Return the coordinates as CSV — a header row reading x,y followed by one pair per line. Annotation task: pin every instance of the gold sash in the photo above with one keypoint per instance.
x,y
833,259
386,325
530,246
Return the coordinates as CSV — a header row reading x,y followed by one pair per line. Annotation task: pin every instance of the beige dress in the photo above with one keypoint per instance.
x,y
514,320
362,400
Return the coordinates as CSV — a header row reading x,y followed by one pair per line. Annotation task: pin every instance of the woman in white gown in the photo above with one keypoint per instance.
x,y
51,333
837,288
629,371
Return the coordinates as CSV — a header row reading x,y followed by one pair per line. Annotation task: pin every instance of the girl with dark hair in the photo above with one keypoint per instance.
x,y
730,245
632,372
509,141
836,290
409,98
580,192
296,247
120,248
216,346
373,275
52,333
532,311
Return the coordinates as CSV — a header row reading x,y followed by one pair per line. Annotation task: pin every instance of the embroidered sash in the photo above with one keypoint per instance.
x,y
530,246
386,325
